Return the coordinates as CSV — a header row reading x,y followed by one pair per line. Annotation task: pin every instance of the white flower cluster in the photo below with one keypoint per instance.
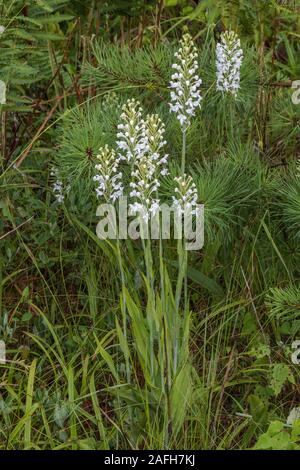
x,y
109,178
185,83
58,187
228,63
147,168
131,135
140,143
143,186
186,195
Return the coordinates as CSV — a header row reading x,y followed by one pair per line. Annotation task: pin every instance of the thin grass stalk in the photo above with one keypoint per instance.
x,y
123,305
183,152
169,429
182,263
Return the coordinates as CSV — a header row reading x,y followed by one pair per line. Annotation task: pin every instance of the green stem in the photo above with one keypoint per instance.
x,y
169,429
161,264
182,277
183,152
180,249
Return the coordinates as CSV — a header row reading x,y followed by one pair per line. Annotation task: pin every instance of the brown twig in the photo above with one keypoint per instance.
x,y
159,9
23,155
66,52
